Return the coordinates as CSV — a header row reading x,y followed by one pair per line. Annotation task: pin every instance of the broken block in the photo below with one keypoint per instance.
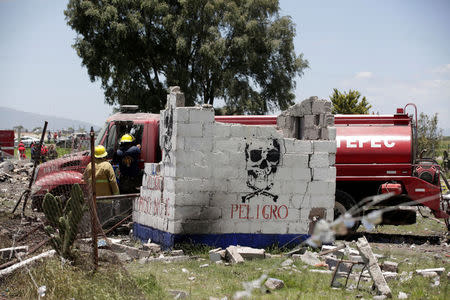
x,y
233,255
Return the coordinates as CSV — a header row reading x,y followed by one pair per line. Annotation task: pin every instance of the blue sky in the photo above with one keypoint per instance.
x,y
393,52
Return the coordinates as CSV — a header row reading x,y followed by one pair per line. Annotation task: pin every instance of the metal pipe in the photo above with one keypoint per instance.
x,y
94,204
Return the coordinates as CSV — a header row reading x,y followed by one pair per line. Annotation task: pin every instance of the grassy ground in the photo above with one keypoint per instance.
x,y
155,280
61,152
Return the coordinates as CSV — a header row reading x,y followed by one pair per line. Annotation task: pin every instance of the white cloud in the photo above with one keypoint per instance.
x,y
361,75
444,69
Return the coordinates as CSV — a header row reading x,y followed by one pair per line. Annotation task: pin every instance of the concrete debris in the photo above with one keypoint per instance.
x,y
7,166
192,278
389,266
214,298
176,252
274,283
402,295
112,257
439,271
379,297
429,274
184,270
390,275
251,253
204,265
152,247
310,258
217,254
178,294
332,263
372,265
131,251
26,262
405,276
168,259
339,253
233,255
320,271
287,262
355,258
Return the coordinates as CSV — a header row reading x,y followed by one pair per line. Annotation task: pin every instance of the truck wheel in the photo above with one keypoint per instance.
x,y
343,202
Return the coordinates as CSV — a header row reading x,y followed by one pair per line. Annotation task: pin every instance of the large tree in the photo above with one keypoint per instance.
x,y
429,135
349,103
240,51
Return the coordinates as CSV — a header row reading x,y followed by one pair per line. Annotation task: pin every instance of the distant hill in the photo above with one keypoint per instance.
x,y
10,118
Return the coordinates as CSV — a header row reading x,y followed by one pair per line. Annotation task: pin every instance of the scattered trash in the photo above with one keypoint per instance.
x,y
389,266
184,270
204,265
41,290
402,295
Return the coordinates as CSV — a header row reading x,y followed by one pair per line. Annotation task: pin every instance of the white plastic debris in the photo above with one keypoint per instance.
x,y
402,295
41,290
184,270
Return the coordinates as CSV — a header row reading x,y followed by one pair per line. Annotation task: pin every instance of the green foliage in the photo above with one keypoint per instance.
x,y
348,103
63,222
238,50
428,135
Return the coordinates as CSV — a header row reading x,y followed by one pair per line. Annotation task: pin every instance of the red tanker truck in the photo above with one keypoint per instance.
x,y
375,154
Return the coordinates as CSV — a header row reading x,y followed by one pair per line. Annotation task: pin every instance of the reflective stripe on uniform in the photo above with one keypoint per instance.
x,y
101,180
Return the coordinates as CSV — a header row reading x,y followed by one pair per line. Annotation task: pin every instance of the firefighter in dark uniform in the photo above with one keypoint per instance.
x,y
127,156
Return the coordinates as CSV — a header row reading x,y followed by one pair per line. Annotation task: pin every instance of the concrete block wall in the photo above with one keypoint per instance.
x,y
223,184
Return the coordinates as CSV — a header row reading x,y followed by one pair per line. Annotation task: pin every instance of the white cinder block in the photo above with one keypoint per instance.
x,y
225,172
303,174
321,188
198,144
297,200
192,198
236,159
265,131
211,213
224,200
332,159
302,147
325,201
298,228
231,144
189,158
174,227
324,146
189,185
219,158
221,130
187,212
331,133
275,227
190,130
199,115
324,174
284,173
295,186
194,171
319,160
181,115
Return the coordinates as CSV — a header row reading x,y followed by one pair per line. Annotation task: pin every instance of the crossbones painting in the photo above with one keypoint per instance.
x,y
262,160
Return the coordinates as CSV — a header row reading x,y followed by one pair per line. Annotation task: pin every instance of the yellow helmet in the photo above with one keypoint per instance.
x,y
126,138
100,152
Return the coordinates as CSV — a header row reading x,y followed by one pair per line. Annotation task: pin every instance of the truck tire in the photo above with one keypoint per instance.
x,y
343,202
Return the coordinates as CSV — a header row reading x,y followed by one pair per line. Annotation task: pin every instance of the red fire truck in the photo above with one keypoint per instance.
x,y
375,154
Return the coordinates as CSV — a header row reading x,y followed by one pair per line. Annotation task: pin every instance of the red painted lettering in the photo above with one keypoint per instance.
x,y
280,216
234,207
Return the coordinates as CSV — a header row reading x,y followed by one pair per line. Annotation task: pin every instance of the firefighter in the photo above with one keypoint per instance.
x,y
105,179
127,156
22,149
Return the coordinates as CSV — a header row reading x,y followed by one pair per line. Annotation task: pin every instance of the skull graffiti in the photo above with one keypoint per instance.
x,y
167,136
262,160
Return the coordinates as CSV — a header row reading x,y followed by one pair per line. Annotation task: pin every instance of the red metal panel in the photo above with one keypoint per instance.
x,y
384,170
248,120
386,144
7,141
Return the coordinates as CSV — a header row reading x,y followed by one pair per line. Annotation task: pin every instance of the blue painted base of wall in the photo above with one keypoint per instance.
x,y
255,240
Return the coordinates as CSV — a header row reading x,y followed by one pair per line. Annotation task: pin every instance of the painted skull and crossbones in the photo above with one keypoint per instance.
x,y
262,160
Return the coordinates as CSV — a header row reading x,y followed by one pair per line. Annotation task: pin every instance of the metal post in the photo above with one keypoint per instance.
x,y
94,203
27,191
